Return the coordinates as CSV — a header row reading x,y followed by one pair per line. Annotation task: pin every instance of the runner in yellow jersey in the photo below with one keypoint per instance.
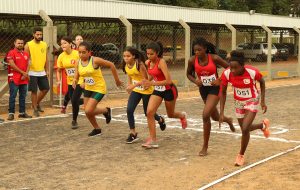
x,y
134,66
66,61
95,87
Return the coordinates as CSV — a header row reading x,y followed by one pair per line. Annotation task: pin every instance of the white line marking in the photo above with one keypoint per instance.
x,y
36,118
247,167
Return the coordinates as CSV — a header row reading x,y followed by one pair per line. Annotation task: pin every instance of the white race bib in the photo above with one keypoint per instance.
x,y
137,87
70,71
243,92
89,81
160,88
206,80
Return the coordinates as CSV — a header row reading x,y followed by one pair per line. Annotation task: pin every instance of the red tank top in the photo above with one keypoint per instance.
x,y
157,75
207,73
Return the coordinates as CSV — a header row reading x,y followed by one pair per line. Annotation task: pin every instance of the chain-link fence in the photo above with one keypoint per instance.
x,y
108,40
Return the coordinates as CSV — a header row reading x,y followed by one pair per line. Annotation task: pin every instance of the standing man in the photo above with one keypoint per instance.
x,y
38,71
17,78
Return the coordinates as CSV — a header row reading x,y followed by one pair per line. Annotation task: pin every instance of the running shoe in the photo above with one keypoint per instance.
x,y
74,125
184,121
162,123
266,126
11,117
1,120
150,144
107,115
95,132
63,110
132,138
39,108
36,113
240,160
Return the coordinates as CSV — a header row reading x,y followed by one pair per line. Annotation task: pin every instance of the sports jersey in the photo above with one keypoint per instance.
x,y
207,73
38,55
136,76
67,61
244,85
157,75
93,78
21,60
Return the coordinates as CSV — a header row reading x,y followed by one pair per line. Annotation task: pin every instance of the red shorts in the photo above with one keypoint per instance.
x,y
241,106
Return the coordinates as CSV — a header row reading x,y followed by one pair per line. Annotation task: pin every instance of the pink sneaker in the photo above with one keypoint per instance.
x,y
266,126
150,144
184,121
63,110
240,160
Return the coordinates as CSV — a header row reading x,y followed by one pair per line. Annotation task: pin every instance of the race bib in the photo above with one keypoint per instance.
x,y
206,80
70,71
243,92
89,81
137,87
160,88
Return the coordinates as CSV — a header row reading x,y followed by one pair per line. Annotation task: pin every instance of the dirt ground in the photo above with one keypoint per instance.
x,y
44,153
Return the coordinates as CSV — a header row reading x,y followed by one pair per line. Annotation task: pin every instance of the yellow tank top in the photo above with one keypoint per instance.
x,y
136,76
67,61
93,78
38,54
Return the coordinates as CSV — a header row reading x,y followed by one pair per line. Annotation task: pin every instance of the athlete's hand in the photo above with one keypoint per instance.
x,y
198,82
119,83
47,74
82,85
146,84
221,119
264,107
74,84
216,82
129,88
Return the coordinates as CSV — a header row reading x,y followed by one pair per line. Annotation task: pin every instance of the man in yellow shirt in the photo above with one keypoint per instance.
x,y
38,71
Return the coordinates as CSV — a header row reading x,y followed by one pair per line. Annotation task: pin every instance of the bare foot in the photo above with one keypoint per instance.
x,y
230,123
203,152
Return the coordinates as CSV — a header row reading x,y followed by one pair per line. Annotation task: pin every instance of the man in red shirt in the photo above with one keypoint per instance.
x,y
18,61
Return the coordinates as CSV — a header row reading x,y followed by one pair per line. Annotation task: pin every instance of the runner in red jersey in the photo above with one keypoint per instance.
x,y
246,99
164,89
204,64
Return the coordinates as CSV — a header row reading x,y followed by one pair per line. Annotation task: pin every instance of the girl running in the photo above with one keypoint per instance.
x,y
134,67
164,89
66,62
204,63
89,68
246,99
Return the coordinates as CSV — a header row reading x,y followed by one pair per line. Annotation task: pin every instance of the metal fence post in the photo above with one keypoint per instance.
x,y
187,51
233,35
298,31
128,25
269,60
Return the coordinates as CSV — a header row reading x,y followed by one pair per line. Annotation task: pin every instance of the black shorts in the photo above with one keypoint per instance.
x,y
206,90
38,81
91,94
167,95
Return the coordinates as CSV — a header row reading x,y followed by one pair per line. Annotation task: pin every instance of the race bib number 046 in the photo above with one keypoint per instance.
x,y
243,92
89,81
70,71
206,80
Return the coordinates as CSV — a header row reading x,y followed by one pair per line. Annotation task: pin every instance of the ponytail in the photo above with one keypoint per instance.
x,y
139,57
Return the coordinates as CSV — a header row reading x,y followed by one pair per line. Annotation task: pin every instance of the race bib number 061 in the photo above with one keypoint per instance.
x,y
243,92
89,81
206,80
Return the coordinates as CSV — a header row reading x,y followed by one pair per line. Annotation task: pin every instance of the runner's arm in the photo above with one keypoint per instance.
x,y
262,85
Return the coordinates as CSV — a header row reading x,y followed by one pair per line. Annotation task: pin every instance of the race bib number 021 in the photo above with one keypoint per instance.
x,y
70,71
89,81
243,92
206,80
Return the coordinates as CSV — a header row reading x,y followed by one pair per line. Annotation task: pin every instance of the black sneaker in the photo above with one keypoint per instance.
x,y
1,120
11,117
162,124
74,125
132,138
95,132
107,115
24,115
39,108
36,113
